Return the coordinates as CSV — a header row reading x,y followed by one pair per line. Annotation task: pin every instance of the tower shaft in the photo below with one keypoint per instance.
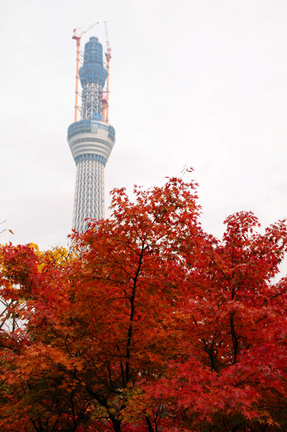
x,y
89,193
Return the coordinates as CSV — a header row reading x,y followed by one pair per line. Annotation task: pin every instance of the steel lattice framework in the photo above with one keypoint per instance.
x,y
91,140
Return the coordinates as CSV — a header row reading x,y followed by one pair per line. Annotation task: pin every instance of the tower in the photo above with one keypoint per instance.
x,y
91,139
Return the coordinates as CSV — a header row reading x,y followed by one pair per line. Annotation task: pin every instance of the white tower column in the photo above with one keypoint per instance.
x,y
89,193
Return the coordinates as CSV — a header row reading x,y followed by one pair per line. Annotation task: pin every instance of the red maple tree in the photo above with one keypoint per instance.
x,y
150,324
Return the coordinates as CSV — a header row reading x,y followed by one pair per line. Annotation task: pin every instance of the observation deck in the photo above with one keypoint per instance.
x,y
91,139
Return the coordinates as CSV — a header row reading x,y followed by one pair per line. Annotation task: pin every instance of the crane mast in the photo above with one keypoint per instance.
x,y
106,93
108,57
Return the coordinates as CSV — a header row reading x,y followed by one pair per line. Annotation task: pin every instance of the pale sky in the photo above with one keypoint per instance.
x,y
198,83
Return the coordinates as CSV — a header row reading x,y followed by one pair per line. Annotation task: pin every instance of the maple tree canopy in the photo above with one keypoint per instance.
x,y
148,324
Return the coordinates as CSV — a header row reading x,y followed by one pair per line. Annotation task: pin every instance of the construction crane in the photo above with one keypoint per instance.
x,y
78,33
105,101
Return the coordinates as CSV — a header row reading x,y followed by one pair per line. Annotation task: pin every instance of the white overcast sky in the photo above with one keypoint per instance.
x,y
201,83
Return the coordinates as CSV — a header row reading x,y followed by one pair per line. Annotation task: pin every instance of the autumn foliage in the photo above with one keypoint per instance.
x,y
148,324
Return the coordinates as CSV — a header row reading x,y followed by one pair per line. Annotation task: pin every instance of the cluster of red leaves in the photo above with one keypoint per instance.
x,y
149,325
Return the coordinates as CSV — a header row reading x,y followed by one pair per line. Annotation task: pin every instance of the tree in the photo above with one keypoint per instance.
x,y
232,375
151,325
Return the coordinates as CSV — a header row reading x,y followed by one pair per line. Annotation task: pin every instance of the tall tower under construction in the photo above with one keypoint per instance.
x,y
92,138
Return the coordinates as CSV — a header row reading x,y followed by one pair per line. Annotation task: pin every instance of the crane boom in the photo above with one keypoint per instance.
x,y
78,33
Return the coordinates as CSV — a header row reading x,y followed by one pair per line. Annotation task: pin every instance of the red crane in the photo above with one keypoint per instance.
x,y
105,98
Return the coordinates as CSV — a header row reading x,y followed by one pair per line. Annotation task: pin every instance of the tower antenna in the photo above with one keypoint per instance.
x,y
78,33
